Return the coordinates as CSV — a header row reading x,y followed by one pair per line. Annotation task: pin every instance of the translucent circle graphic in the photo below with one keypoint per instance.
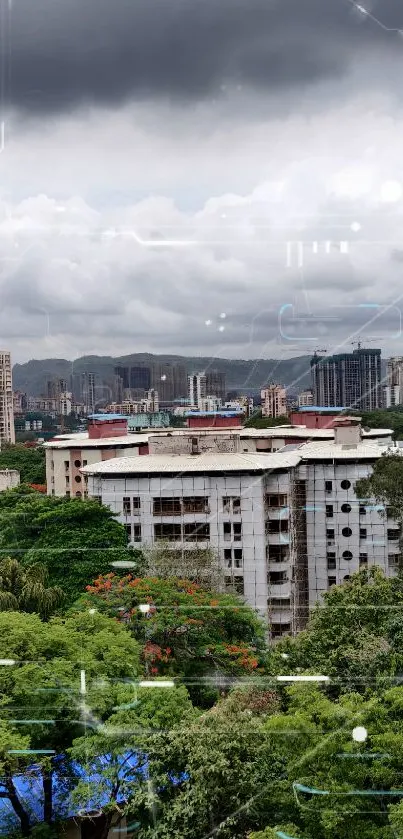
x,y
360,734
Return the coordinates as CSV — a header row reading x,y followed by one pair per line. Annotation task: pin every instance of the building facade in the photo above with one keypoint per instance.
x,y
286,525
215,384
305,399
274,401
7,433
197,389
349,379
393,390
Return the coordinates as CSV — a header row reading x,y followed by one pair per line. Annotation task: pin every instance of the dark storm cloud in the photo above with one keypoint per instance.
x,y
65,54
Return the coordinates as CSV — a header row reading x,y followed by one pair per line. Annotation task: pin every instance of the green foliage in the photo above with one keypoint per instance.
x,y
42,707
226,768
75,539
355,635
29,462
188,631
385,484
26,589
257,421
387,418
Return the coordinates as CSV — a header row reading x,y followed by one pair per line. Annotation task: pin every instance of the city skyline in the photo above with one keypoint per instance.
x,y
289,132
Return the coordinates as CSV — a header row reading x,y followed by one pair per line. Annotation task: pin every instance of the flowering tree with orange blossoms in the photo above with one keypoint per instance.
x,y
182,628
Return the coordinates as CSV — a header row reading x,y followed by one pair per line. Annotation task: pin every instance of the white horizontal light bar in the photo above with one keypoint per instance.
x,y
7,661
303,679
157,684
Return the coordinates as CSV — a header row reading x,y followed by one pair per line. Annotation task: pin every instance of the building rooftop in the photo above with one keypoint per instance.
x,y
219,413
82,441
107,417
365,450
178,464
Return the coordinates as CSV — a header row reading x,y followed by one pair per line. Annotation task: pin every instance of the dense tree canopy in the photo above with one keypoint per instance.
x,y
28,461
76,539
42,699
187,630
26,590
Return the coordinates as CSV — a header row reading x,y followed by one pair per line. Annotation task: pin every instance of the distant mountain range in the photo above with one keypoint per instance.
x,y
243,376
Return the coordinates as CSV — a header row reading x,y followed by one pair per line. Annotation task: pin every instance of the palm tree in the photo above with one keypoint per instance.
x,y
26,590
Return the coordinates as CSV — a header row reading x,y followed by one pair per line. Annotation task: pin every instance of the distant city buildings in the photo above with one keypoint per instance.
x,y
393,390
274,401
197,389
149,404
349,379
7,432
305,399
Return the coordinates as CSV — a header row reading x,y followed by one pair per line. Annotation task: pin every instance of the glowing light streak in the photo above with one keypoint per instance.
x,y
157,684
303,678
7,662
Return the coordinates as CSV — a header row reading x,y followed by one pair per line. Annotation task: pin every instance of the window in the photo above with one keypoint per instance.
x,y
168,532
363,559
127,507
279,603
167,507
136,533
276,500
237,531
347,531
85,462
77,464
228,557
236,505
329,511
346,508
66,465
136,504
97,498
128,529
195,504
331,581
278,553
239,585
196,532
345,484
52,464
393,560
347,555
363,532
231,504
331,563
330,533
279,629
67,481
328,486
393,535
67,493
363,510
78,494
227,531
277,526
238,557
78,479
277,578
347,577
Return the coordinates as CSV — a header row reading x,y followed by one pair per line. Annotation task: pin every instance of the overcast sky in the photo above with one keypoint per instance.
x,y
158,155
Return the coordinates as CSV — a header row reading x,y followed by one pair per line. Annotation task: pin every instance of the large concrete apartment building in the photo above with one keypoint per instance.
x,y
286,524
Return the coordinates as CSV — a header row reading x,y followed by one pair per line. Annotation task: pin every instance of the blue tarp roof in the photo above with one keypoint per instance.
x,y
107,417
321,409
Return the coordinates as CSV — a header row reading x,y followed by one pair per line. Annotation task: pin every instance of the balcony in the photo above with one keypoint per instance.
x,y
280,590
278,538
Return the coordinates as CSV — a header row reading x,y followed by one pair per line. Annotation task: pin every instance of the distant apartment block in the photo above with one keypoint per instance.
x,y
393,390
305,399
7,433
274,401
349,379
197,389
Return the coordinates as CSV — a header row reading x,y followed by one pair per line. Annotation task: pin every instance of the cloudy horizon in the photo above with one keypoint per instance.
x,y
161,162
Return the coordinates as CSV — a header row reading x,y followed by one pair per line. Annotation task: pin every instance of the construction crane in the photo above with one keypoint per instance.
x,y
360,341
